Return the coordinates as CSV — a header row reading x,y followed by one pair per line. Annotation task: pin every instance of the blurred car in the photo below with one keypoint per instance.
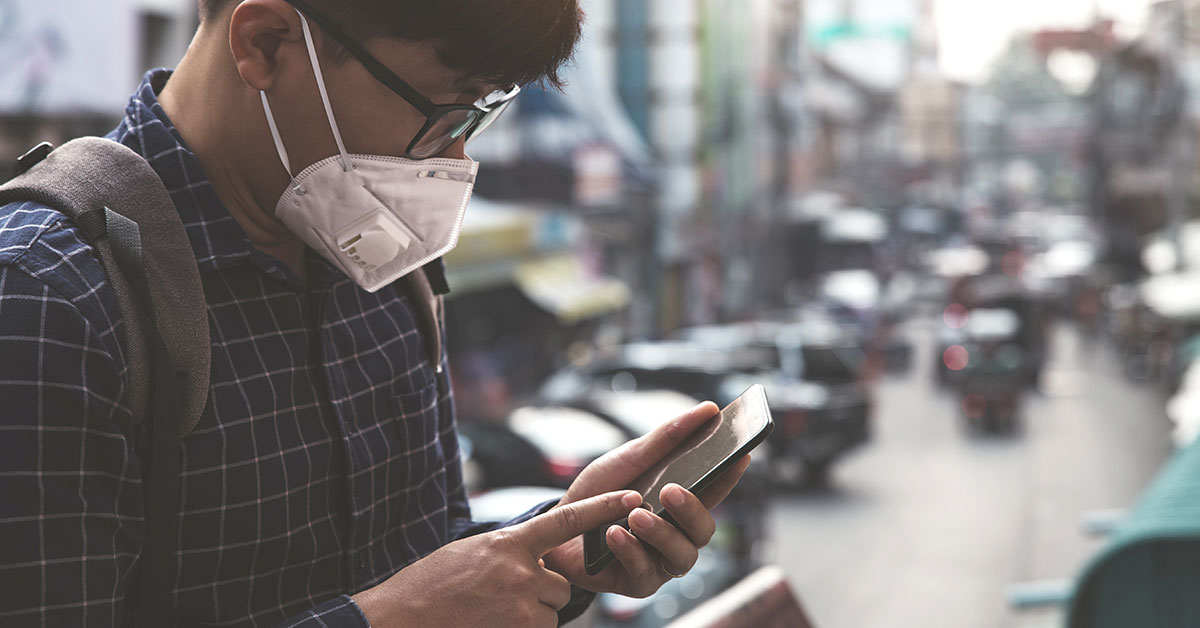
x,y
1137,331
493,456
993,369
507,503
634,412
854,239
991,292
668,365
816,423
537,446
1169,320
858,299
812,350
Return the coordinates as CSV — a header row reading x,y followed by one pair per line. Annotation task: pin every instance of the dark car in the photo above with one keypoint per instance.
x,y
991,292
818,374
994,367
536,446
860,300
813,350
815,422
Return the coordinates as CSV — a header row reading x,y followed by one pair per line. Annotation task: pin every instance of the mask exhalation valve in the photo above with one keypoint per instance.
x,y
374,240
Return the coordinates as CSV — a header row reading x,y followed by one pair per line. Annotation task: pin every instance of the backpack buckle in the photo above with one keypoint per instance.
x,y
33,157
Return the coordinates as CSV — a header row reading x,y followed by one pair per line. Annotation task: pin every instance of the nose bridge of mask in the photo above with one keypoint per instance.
x,y
344,155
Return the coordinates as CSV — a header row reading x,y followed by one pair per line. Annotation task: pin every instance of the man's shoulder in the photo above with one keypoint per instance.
x,y
45,244
22,224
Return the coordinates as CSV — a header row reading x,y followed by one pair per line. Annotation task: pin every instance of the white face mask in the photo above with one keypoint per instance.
x,y
375,217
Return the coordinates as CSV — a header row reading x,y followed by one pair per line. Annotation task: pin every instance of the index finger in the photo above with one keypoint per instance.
x,y
551,529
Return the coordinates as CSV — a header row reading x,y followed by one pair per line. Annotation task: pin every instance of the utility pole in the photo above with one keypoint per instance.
x,y
1181,156
772,260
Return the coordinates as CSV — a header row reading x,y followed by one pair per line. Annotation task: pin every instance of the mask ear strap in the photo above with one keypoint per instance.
x,y
316,64
283,156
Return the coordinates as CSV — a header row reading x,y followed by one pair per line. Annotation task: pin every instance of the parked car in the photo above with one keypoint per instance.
x,y
990,292
993,366
858,300
819,376
813,350
816,423
537,446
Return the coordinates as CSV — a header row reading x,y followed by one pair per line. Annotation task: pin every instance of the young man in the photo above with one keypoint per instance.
x,y
322,485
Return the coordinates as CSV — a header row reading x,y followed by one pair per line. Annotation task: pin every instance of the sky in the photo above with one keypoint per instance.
x,y
972,33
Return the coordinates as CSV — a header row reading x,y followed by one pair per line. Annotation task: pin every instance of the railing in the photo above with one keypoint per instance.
x,y
1148,575
761,600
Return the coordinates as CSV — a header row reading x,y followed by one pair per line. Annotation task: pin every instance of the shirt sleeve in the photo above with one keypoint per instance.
x,y
71,516
340,612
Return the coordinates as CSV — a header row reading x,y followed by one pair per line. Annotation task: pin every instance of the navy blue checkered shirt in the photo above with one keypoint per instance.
x,y
325,461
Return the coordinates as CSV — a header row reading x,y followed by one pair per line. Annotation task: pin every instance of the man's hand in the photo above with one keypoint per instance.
x,y
492,579
642,567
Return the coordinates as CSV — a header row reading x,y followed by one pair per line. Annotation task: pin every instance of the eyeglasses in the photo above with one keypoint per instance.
x,y
444,124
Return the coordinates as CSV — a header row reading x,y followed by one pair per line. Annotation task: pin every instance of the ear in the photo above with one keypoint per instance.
x,y
260,33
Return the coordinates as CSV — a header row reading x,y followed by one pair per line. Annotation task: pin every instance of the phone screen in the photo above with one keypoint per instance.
x,y
695,462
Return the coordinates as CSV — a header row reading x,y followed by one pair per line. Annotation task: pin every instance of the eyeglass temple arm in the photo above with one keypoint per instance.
x,y
377,69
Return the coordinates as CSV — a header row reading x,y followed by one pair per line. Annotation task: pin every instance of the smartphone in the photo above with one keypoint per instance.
x,y
694,464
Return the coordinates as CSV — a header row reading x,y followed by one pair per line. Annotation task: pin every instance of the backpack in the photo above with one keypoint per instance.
x,y
122,209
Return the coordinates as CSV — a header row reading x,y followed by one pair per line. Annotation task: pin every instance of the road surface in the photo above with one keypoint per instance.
x,y
928,525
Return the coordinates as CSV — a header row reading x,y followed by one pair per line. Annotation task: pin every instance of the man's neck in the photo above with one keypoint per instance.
x,y
217,122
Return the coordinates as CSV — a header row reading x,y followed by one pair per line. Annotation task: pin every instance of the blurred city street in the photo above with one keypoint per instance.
x,y
930,524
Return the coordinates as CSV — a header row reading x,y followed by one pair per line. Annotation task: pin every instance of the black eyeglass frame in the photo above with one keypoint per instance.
x,y
433,112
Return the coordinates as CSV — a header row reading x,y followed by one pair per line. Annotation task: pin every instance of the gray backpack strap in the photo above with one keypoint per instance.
x,y
429,312
93,173
149,261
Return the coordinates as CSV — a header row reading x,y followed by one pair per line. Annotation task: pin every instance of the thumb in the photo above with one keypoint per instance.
x,y
647,450
549,530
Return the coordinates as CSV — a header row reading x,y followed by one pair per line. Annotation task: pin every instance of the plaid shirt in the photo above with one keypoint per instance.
x,y
326,460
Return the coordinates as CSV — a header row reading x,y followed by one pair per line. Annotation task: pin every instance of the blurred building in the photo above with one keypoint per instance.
x,y
1143,143
67,67
932,110
1026,135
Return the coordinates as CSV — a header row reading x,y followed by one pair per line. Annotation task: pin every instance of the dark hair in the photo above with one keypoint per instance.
x,y
498,42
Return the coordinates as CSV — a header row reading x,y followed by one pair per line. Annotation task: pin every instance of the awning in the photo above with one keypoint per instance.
x,y
563,287
495,231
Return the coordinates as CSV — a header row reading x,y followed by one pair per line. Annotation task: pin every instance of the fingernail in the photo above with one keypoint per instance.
x,y
631,500
641,519
616,538
673,495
